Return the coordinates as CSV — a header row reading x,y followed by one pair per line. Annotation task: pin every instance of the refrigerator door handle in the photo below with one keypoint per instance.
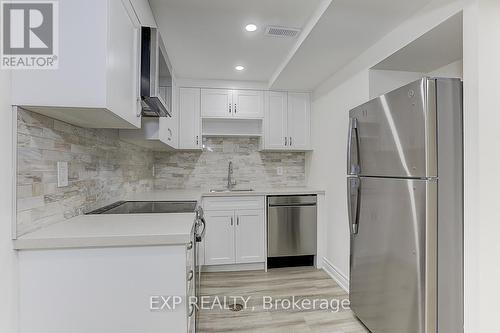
x,y
353,168
354,202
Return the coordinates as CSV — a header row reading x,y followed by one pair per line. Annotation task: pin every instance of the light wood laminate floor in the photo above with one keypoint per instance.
x,y
303,283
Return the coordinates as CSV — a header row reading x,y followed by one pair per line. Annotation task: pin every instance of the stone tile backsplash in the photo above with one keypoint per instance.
x,y
103,169
208,168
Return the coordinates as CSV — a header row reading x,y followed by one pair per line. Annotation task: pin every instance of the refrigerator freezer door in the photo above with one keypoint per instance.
x,y
394,135
393,256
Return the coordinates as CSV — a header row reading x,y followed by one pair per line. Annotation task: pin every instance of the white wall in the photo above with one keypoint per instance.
x,y
383,81
424,20
453,70
8,258
482,162
326,165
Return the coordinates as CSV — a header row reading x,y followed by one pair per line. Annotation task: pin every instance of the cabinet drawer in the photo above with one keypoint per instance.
x,y
230,203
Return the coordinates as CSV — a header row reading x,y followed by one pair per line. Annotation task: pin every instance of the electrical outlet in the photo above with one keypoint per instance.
x,y
62,174
279,171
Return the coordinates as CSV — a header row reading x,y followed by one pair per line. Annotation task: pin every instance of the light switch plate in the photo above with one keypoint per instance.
x,y
62,174
279,171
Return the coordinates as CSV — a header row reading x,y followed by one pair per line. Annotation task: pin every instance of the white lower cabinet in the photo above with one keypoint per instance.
x,y
235,230
112,289
219,239
249,236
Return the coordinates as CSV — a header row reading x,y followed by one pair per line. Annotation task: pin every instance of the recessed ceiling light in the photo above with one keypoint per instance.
x,y
251,27
239,68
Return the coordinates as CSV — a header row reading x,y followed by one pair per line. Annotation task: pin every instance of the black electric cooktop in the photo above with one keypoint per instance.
x,y
141,207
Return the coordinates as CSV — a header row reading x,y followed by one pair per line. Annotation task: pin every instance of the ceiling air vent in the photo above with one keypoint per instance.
x,y
275,31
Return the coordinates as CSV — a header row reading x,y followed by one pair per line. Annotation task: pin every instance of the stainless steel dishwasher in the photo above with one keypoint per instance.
x,y
291,226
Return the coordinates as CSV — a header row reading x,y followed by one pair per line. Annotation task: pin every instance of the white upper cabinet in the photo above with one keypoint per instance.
x,y
216,103
189,118
144,13
248,104
96,84
276,120
287,121
169,126
225,103
298,120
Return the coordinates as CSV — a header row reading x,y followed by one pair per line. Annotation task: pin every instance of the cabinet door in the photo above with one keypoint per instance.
x,y
169,126
216,103
219,237
276,121
189,118
249,236
299,120
122,74
248,103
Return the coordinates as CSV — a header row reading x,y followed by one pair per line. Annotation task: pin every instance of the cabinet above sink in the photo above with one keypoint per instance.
x,y
232,104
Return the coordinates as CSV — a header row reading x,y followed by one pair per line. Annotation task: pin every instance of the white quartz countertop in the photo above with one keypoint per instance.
x,y
267,191
180,194
111,230
135,229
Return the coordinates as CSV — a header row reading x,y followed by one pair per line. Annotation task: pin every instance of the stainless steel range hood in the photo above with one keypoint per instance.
x,y
155,70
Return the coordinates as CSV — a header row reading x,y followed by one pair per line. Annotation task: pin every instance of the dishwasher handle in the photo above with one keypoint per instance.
x,y
291,200
293,205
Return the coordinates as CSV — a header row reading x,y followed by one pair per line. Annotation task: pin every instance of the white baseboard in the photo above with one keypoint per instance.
x,y
340,278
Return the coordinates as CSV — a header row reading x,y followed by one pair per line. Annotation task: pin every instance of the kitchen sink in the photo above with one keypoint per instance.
x,y
233,190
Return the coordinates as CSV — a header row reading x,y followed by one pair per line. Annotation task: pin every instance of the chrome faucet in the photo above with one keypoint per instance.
x,y
230,181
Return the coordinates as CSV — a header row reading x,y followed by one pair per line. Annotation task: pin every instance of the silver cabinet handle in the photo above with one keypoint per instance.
x,y
190,245
286,140
237,220
191,275
234,107
290,141
229,107
197,140
231,220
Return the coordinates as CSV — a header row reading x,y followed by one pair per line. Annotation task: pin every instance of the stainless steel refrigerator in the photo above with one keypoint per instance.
x,y
405,199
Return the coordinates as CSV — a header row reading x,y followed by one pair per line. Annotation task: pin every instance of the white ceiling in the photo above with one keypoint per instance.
x,y
205,39
346,29
438,47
